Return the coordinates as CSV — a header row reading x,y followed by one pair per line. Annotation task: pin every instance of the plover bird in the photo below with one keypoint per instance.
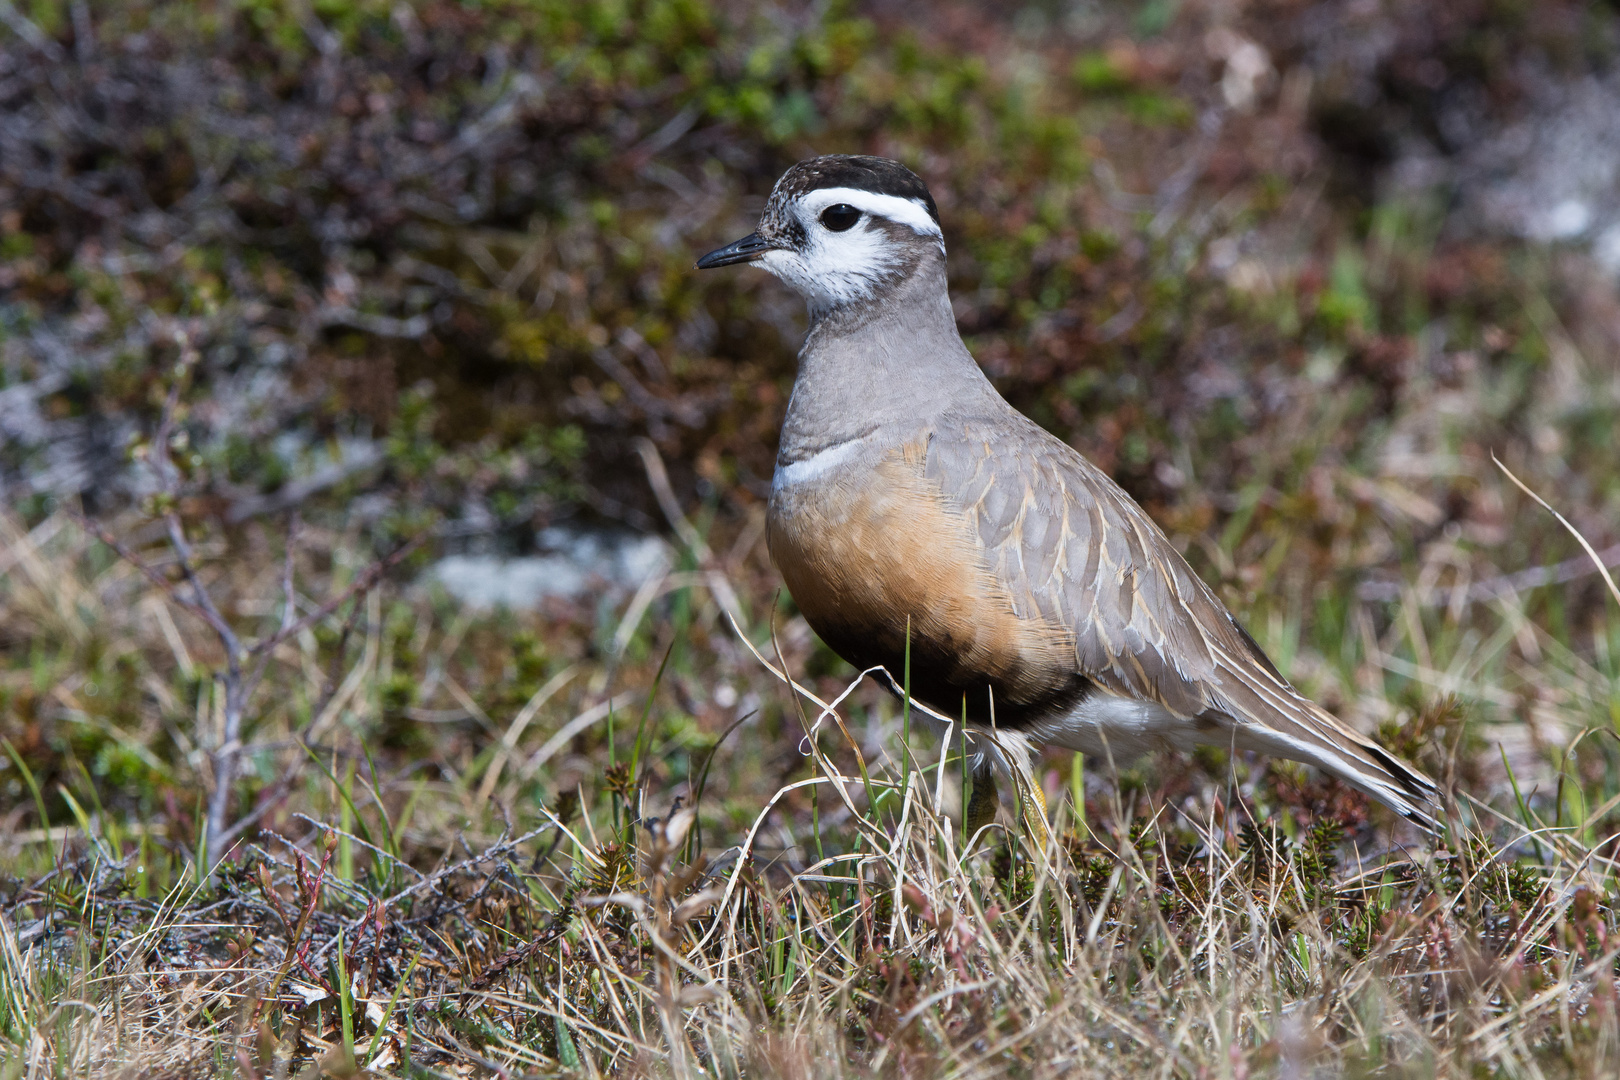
x,y
912,506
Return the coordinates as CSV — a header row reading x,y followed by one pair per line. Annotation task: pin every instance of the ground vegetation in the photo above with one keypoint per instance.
x,y
299,298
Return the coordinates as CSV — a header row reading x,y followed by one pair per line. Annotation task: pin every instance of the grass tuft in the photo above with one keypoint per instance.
x,y
385,913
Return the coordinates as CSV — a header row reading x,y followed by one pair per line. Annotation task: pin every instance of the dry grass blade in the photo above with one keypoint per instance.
x,y
1586,546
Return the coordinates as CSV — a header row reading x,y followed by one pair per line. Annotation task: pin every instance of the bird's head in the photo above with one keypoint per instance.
x,y
839,228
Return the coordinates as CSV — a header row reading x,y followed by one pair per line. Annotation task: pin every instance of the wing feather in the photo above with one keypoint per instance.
x,y
1073,546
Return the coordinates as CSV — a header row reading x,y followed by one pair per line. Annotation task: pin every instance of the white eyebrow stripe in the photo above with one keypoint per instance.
x,y
911,212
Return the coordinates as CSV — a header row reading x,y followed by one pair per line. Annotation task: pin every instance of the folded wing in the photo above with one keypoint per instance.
x,y
1072,548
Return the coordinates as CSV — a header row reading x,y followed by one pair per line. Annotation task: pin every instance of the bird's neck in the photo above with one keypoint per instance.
x,y
895,360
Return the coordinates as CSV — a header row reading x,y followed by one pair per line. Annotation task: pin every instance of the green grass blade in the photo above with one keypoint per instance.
x,y
359,822
388,1013
1524,807
39,799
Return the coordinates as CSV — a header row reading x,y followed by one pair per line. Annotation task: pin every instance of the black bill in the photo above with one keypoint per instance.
x,y
747,249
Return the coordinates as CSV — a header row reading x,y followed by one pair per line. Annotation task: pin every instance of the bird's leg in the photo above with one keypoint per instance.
x,y
1031,802
986,800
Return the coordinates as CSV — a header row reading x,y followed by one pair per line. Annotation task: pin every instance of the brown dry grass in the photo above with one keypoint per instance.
x,y
498,909
595,839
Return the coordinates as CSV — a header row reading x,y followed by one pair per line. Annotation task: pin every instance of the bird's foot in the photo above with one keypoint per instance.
x,y
986,800
983,805
1032,801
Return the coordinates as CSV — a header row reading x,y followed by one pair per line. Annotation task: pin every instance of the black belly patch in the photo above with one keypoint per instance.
x,y
938,682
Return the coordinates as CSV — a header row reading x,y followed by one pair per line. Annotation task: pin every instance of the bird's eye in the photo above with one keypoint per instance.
x,y
840,216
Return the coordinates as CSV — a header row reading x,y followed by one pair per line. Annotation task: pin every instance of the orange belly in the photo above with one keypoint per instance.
x,y
874,556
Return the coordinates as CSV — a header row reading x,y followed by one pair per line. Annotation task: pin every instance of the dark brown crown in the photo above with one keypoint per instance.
x,y
878,175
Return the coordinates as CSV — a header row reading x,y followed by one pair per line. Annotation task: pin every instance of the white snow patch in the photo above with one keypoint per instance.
x,y
578,563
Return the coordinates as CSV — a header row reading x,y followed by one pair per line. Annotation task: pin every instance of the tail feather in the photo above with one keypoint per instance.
x,y
1274,718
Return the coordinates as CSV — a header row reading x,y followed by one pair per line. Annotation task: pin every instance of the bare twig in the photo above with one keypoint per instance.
x,y
238,687
20,25
122,550
1501,585
228,748
362,585
289,601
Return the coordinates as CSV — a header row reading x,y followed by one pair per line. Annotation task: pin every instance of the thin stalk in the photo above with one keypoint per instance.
x,y
905,721
1077,793
964,792
388,1013
39,799
345,1001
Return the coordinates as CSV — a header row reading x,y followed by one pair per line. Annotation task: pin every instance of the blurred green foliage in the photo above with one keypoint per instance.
x,y
462,234
502,201
467,230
